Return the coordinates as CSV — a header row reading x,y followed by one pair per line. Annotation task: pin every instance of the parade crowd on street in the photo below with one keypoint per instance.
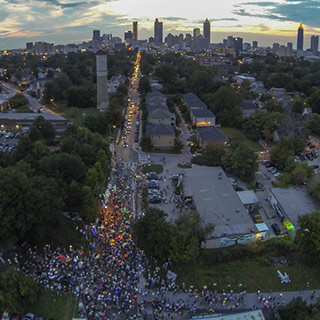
x,y
112,279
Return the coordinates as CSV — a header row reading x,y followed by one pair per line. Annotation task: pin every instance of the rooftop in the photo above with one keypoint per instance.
x,y
217,202
159,129
212,134
30,116
203,113
159,113
193,102
249,105
248,197
295,202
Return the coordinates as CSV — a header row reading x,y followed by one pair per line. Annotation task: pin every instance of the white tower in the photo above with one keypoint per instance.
x,y
102,81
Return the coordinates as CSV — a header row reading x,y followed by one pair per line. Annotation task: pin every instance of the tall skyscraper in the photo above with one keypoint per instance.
x,y
135,30
196,32
207,30
314,45
158,32
128,36
290,45
96,35
254,45
300,38
102,81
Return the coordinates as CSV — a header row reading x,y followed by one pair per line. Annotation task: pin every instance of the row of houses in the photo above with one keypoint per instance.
x,y
161,122
204,120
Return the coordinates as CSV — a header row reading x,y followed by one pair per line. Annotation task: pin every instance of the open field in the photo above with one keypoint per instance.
x,y
235,134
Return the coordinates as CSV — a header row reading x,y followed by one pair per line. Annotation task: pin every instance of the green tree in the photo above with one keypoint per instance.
x,y
272,106
42,129
16,291
282,154
314,101
24,147
178,145
153,234
314,187
242,161
226,106
302,173
144,86
213,154
314,124
146,143
89,205
309,237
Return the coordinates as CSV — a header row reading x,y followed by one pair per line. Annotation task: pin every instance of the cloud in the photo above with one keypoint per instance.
x,y
306,11
173,19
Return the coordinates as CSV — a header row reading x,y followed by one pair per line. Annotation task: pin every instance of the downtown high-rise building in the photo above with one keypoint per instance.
x,y
196,32
135,30
207,31
300,38
314,45
158,32
254,45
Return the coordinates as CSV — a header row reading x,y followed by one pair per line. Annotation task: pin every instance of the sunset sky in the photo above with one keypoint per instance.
x,y
72,21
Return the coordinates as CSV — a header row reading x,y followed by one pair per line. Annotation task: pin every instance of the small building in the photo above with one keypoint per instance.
x,y
249,199
23,121
218,204
257,87
211,134
161,115
114,82
291,203
277,93
248,107
202,117
162,135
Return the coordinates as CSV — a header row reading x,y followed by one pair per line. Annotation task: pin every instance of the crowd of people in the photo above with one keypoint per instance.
x,y
112,279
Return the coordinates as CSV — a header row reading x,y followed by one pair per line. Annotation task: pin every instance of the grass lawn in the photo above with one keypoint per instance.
x,y
73,114
236,134
49,305
157,168
247,275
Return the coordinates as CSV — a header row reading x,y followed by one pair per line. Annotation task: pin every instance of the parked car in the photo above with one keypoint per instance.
x,y
152,176
29,316
5,316
155,200
314,154
302,157
309,156
276,229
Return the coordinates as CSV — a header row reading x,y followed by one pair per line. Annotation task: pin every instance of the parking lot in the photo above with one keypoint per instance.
x,y
8,141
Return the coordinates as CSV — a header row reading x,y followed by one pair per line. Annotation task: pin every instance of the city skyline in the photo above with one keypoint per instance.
x,y
72,21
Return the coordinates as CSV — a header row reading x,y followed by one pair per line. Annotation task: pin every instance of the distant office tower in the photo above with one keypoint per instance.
x,y
96,35
230,42
102,81
314,46
29,46
246,46
207,30
275,46
196,32
300,38
290,45
254,45
128,36
238,43
135,30
158,31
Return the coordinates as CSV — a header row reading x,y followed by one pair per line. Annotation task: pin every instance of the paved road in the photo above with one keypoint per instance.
x,y
33,103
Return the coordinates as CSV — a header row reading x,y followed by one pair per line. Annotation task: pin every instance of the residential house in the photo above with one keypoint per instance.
x,y
157,115
155,97
248,108
202,117
207,135
162,135
192,101
258,87
115,82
